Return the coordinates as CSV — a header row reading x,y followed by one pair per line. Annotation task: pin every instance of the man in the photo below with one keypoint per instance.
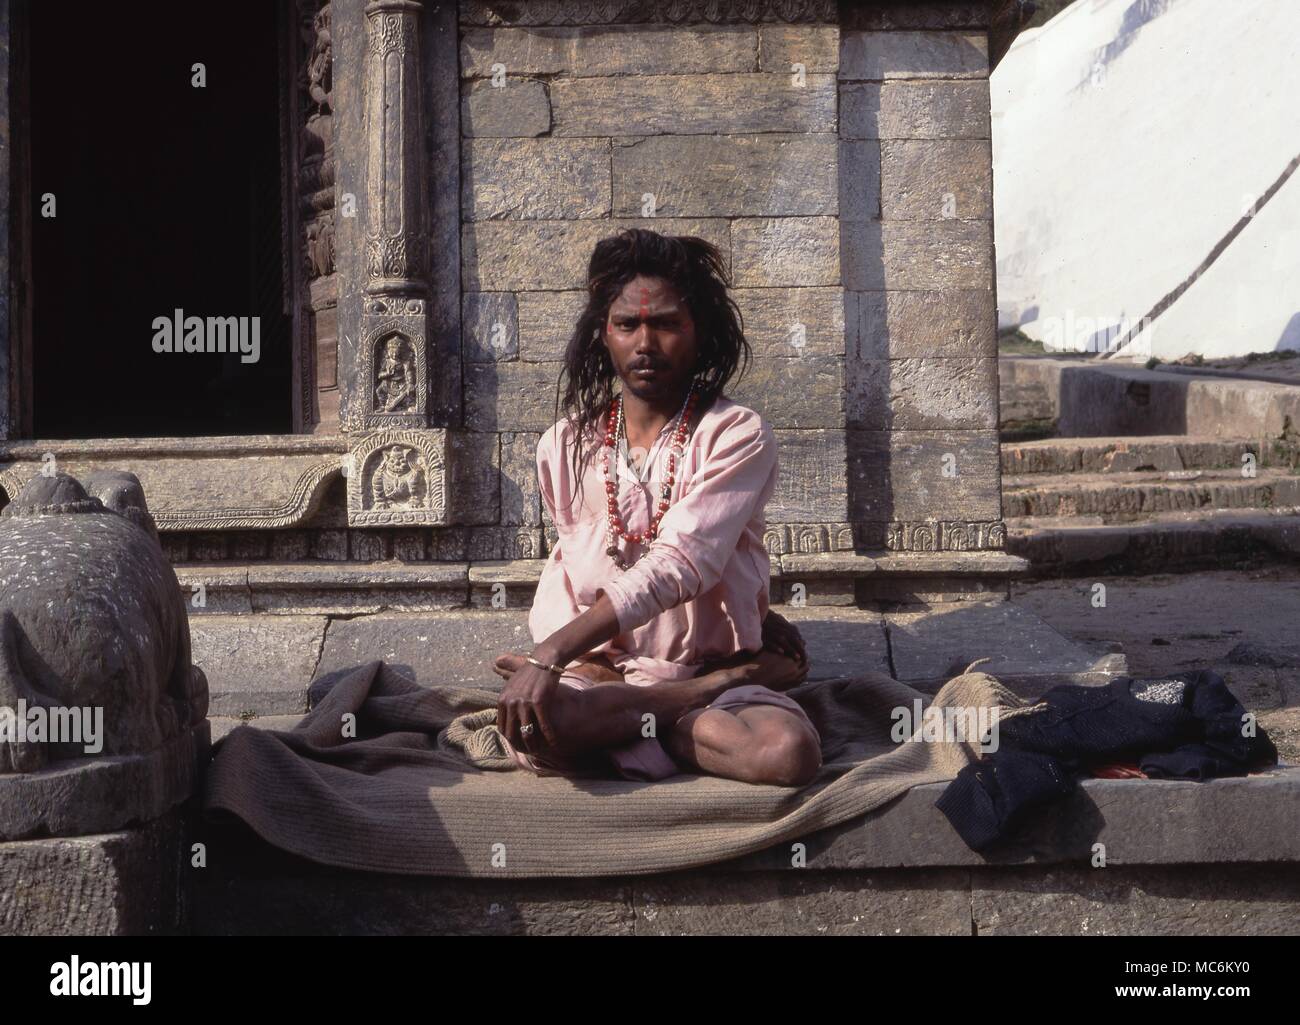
x,y
655,649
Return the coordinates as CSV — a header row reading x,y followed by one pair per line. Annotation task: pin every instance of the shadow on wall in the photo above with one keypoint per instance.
x,y
1136,16
1290,337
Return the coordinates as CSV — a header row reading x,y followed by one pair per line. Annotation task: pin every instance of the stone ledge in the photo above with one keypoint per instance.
x,y
325,587
851,565
189,482
97,795
131,882
1243,820
1181,858
1140,822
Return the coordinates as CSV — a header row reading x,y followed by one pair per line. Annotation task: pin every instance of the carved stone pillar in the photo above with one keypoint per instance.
x,y
396,234
396,475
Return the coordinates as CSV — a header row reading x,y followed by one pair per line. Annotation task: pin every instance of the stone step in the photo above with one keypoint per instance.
x,y
1180,858
260,666
1165,542
1134,495
1169,452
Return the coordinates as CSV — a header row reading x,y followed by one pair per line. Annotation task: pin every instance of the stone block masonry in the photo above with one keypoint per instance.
x,y
838,155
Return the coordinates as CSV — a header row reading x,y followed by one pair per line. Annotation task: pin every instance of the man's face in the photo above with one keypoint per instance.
x,y
651,339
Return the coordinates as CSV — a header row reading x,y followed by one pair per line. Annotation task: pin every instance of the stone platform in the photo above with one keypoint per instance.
x,y
261,665
1179,859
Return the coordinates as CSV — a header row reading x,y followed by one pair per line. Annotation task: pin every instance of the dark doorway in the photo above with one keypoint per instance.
x,y
167,197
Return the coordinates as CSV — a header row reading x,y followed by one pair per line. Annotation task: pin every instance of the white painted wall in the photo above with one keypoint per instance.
x,y
1129,136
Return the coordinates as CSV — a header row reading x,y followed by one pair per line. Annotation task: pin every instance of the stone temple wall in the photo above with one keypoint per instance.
x,y
838,154
844,170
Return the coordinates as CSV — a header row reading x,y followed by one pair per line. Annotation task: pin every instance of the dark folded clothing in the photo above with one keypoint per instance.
x,y
1184,726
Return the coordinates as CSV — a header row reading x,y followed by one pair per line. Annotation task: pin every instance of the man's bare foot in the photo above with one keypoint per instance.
x,y
766,669
507,664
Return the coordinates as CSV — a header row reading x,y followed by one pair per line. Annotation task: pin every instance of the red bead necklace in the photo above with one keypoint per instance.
x,y
613,428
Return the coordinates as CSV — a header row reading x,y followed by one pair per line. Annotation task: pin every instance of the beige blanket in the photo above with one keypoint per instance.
x,y
422,785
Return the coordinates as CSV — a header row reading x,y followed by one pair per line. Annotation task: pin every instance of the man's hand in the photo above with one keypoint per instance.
x,y
526,700
780,635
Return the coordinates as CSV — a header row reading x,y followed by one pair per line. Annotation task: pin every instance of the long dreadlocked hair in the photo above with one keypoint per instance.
x,y
696,269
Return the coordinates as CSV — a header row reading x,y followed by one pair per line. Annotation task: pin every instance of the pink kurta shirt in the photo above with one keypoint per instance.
x,y
700,591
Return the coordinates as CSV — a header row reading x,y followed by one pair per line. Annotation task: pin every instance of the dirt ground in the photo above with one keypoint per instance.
x,y
1170,622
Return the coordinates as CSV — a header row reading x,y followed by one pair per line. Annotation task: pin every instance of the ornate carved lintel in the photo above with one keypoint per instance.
x,y
921,536
613,12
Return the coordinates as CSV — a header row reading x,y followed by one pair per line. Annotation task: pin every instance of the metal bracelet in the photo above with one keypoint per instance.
x,y
544,665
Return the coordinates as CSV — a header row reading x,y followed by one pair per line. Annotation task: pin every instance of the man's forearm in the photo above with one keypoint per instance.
x,y
595,626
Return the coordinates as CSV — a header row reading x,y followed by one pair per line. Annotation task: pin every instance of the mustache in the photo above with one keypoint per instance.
x,y
648,365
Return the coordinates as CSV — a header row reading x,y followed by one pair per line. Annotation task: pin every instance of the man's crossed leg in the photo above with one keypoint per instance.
x,y
754,741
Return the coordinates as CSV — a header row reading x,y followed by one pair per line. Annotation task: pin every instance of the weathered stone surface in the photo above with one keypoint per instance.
x,y
793,322
1140,822
873,56
510,256
546,321
519,109
930,647
806,392
821,591
449,648
840,642
331,545
922,394
194,484
126,883
120,682
924,255
811,478
894,591
587,52
1110,496
816,47
908,475
693,105
356,589
1124,455
893,17
214,589
535,179
783,538
520,498
289,545
473,476
915,110
783,251
1175,900
222,725
511,395
504,542
727,176
490,327
928,180
368,546
82,796
247,896
504,583
258,665
903,325
804,904
859,180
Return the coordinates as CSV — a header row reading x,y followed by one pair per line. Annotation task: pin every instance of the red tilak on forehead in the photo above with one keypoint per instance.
x,y
645,302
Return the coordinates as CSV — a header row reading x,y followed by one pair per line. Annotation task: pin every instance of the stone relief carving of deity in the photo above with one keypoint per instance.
x,y
399,480
395,380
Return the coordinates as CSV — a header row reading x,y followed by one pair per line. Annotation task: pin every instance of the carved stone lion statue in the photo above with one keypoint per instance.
x,y
92,616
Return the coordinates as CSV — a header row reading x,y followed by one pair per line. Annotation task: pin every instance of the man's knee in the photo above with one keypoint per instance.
x,y
787,754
